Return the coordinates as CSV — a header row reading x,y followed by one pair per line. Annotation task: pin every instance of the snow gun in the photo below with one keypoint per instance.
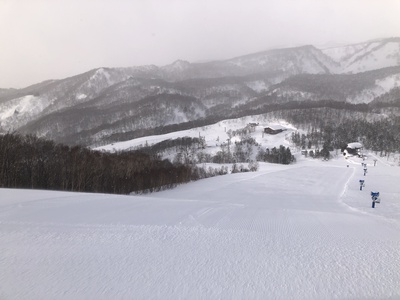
x,y
375,198
362,184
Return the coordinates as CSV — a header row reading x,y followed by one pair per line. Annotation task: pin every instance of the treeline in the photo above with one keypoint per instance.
x,y
380,136
31,162
275,155
177,144
262,105
296,112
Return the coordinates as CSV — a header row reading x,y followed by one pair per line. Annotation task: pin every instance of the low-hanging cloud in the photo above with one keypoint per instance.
x,y
47,39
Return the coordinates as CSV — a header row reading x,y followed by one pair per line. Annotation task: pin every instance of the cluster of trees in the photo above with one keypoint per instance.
x,y
279,155
252,167
316,139
190,150
246,150
381,136
178,145
187,150
239,151
31,162
243,149
324,153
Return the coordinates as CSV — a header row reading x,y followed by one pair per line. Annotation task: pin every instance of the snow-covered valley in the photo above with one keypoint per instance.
x,y
302,231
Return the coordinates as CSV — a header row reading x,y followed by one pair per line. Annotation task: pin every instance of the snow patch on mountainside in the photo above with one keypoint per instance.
x,y
305,59
344,53
258,86
178,117
81,96
102,74
366,56
389,82
19,110
177,66
294,95
100,79
387,56
381,87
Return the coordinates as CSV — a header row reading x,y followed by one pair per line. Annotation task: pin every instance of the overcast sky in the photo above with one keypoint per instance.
x,y
53,39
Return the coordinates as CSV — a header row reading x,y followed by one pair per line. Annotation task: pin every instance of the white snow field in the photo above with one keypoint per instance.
x,y
303,231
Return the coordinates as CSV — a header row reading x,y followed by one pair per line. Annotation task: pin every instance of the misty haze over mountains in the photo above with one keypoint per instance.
x,y
110,104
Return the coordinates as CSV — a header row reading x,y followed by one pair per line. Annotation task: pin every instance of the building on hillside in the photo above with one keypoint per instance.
x,y
353,149
274,129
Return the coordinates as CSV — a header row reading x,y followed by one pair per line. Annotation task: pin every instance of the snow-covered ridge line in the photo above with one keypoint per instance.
x,y
109,101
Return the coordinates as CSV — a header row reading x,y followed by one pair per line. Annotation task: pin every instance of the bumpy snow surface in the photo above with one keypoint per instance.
x,y
304,231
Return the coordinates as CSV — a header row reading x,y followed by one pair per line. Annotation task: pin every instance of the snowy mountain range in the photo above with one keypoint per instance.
x,y
109,104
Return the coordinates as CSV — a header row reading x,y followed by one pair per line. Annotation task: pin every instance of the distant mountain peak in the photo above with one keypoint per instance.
x,y
178,65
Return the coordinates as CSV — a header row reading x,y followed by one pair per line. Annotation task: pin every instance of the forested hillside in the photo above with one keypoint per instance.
x,y
30,162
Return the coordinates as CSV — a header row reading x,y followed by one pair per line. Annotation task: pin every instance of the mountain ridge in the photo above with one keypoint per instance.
x,y
216,88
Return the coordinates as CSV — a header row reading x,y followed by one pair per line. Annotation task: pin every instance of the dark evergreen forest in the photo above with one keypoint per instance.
x,y
381,136
31,162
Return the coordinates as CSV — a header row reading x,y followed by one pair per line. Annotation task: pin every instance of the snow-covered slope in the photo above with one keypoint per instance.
x,y
381,87
216,134
366,56
285,232
299,60
57,95
351,88
21,110
43,99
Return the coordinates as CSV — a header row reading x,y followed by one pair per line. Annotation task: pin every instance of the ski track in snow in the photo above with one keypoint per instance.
x,y
286,232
